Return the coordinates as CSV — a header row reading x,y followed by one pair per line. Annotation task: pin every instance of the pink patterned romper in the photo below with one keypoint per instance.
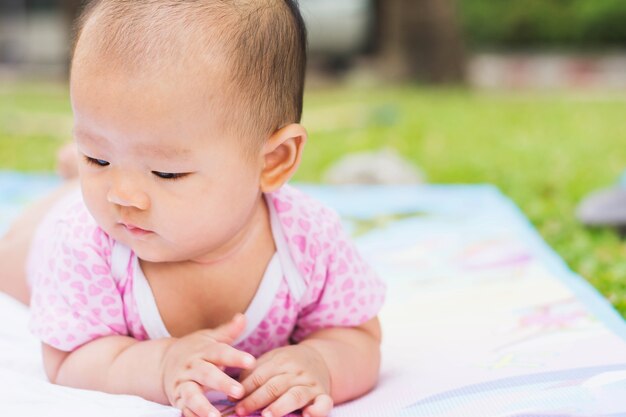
x,y
85,285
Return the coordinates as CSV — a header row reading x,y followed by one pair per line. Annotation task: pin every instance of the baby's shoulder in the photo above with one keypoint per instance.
x,y
335,274
312,231
302,214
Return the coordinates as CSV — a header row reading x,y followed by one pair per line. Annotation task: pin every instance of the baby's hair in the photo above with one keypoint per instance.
x,y
260,46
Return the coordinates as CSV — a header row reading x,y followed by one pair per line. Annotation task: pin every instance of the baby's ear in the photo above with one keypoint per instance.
x,y
282,153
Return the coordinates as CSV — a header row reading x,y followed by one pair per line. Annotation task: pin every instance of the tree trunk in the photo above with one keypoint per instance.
x,y
421,40
71,11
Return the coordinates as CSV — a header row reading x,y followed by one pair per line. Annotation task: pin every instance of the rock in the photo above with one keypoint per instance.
x,y
385,166
605,207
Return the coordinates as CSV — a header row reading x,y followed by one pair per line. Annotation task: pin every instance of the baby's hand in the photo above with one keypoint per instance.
x,y
195,364
287,379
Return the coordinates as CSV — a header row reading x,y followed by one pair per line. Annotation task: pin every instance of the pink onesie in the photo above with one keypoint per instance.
x,y
85,285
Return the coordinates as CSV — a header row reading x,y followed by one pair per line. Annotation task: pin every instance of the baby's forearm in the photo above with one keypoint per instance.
x,y
117,365
352,356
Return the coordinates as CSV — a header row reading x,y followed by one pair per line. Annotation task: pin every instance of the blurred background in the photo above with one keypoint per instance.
x,y
529,95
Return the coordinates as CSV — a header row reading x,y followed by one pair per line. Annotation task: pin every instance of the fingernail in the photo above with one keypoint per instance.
x,y
248,360
266,413
236,391
213,414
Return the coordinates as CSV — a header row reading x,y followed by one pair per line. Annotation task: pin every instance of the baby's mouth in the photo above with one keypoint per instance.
x,y
135,230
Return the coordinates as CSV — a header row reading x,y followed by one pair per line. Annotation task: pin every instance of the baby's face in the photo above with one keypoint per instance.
x,y
157,171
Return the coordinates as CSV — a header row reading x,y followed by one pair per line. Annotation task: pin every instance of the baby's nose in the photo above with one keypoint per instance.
x,y
124,192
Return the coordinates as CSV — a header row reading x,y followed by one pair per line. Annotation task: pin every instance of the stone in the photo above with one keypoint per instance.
x,y
384,166
606,207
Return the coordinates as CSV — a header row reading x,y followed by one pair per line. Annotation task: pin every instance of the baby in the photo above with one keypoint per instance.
x,y
183,263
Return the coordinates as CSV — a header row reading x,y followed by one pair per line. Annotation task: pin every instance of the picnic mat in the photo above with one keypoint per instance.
x,y
482,317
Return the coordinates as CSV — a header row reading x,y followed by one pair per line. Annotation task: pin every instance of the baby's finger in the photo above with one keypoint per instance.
x,y
230,331
193,398
321,407
188,413
222,354
265,394
259,376
212,378
295,398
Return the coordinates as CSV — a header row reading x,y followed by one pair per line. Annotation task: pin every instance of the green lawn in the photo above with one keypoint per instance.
x,y
546,151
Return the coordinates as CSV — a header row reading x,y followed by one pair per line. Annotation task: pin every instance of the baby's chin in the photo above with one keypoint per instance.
x,y
153,247
149,256
153,253
146,248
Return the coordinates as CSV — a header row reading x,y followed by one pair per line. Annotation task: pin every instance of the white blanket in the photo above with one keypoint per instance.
x,y
24,390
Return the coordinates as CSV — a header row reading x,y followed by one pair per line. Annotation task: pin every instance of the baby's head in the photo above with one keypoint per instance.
x,y
246,58
186,111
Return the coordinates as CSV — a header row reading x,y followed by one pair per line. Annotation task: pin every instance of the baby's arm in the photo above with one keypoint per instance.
x,y
329,366
352,355
114,364
174,371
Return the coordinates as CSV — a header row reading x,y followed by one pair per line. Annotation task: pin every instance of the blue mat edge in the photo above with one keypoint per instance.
x,y
598,304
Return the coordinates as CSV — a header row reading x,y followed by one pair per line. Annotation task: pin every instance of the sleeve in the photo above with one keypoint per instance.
x,y
344,290
74,296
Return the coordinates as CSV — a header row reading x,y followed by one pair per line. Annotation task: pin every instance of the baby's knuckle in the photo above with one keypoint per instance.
x,y
198,362
313,382
217,351
175,386
298,395
198,403
283,366
208,370
223,347
176,400
257,380
205,377
304,377
185,390
272,390
284,359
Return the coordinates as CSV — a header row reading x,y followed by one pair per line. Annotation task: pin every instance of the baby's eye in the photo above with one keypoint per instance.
x,y
94,161
170,175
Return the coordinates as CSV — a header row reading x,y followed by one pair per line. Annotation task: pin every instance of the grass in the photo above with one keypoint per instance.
x,y
546,151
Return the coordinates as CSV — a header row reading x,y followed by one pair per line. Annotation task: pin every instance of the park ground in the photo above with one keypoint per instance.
x,y
544,150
